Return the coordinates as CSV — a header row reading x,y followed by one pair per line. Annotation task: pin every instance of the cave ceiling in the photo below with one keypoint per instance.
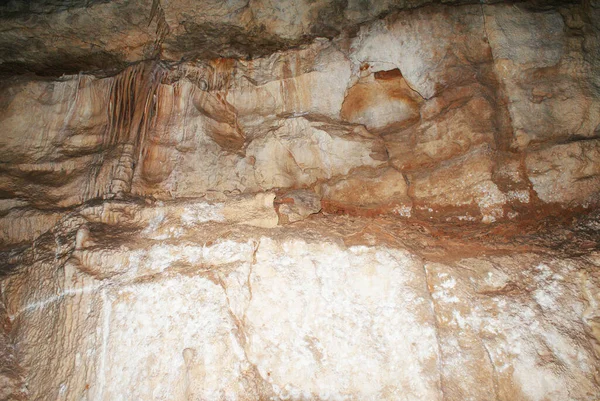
x,y
55,37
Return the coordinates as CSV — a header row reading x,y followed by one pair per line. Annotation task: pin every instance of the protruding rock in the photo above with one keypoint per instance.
x,y
301,152
377,189
463,188
297,205
382,101
566,174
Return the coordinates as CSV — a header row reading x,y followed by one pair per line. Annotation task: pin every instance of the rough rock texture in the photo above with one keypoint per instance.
x,y
297,205
177,301
108,34
306,200
11,378
496,116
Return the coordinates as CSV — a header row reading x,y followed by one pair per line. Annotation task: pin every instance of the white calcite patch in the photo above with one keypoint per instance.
x,y
155,327
530,343
326,323
278,318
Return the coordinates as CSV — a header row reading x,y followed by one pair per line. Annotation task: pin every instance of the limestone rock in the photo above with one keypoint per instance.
x,y
381,101
22,224
568,173
108,35
297,205
426,65
465,182
223,317
148,179
11,385
312,151
446,130
301,117
547,78
295,83
505,338
381,190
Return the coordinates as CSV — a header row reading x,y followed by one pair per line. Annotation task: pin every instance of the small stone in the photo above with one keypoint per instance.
x,y
297,205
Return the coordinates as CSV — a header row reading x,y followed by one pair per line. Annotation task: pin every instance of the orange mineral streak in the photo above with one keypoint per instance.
x,y
383,102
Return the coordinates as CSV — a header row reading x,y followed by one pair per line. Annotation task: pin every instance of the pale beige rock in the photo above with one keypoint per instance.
x,y
566,174
139,320
308,81
381,101
145,254
311,151
287,120
547,79
257,211
324,338
427,65
465,182
50,308
447,129
280,314
488,322
11,383
108,35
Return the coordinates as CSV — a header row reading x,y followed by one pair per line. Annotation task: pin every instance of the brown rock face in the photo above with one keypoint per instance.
x,y
369,189
382,101
307,200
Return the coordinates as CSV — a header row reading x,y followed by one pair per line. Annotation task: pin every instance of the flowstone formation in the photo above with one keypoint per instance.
x,y
300,200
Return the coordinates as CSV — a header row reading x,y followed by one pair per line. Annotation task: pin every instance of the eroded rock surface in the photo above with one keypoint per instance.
x,y
478,124
179,301
284,200
107,35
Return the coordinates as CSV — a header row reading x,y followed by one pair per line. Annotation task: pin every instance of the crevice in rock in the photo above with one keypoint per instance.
x,y
162,27
493,367
436,328
260,384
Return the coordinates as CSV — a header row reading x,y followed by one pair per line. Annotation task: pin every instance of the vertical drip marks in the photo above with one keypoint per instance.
x,y
73,103
132,112
162,28
223,70
216,75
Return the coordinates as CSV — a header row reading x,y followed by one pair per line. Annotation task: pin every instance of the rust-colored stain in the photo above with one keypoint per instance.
x,y
370,95
386,75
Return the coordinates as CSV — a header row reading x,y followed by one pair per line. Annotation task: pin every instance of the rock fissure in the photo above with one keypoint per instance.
x,y
437,330
493,366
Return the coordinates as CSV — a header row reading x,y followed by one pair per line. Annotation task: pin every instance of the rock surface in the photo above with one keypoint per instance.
x,y
253,200
297,205
473,121
178,302
107,35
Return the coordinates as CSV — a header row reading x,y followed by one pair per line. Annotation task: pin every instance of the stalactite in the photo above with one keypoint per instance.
x,y
132,105
223,72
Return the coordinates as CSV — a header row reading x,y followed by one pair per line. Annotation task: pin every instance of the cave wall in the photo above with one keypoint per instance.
x,y
473,122
193,300
159,224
